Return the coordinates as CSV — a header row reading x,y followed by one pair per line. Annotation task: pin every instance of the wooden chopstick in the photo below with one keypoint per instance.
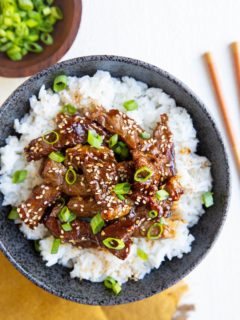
x,y
208,58
235,48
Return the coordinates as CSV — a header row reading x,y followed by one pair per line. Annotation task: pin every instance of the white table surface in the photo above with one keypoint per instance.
x,y
172,35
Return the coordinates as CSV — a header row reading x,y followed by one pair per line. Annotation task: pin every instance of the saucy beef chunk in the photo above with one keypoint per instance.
x,y
100,170
168,229
121,230
141,161
161,146
125,170
83,207
174,191
116,122
80,235
174,188
71,130
157,155
32,210
54,173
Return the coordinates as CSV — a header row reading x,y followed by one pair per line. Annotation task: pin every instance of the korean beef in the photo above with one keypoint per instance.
x,y
104,181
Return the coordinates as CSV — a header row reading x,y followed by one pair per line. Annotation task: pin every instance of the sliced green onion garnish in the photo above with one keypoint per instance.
x,y
67,227
162,195
46,11
97,223
19,176
31,23
64,214
5,47
143,174
152,214
72,217
33,47
207,199
153,235
57,13
25,5
55,246
113,141
142,255
111,283
116,288
23,23
46,38
69,108
13,215
47,26
51,137
14,53
121,150
56,156
94,139
60,83
61,200
162,220
120,197
145,135
130,105
32,38
122,188
70,176
37,245
114,243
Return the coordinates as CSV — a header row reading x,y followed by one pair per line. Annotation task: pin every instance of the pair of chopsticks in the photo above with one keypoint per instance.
x,y
208,58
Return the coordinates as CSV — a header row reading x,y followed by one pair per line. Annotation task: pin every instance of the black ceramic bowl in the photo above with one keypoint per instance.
x,y
57,279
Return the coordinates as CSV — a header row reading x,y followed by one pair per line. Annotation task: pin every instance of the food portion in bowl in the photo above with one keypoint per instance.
x,y
106,177
26,25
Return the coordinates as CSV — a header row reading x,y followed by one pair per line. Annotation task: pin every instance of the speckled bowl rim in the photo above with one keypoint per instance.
x,y
184,88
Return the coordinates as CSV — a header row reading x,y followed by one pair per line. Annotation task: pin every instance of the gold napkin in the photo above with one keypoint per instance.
x,y
22,300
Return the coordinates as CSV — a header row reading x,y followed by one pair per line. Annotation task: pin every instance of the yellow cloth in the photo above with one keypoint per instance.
x,y
21,300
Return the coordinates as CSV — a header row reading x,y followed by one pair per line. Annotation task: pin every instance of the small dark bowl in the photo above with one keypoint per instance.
x,y
64,33
56,279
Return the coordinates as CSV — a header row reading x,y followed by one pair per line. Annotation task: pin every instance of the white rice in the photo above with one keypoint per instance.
x,y
193,171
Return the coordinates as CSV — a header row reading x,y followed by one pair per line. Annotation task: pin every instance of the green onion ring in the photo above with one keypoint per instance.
x,y
67,227
48,133
69,172
112,284
55,246
19,176
13,215
142,170
122,188
113,141
162,195
207,199
110,243
97,223
152,214
142,254
60,83
56,156
158,225
69,108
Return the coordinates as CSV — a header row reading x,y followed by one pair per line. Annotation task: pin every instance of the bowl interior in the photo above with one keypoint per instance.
x,y
64,34
56,279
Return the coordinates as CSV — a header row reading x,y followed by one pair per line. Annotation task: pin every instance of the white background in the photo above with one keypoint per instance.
x,y
173,34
